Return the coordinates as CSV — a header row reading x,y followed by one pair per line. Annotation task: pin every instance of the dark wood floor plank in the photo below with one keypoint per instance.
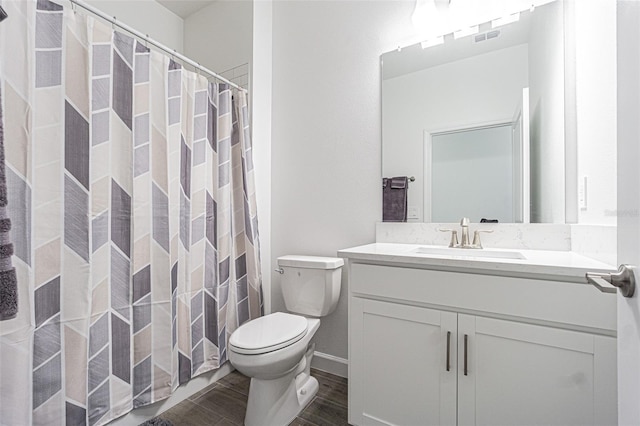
x,y
299,421
225,402
236,381
225,422
335,378
332,388
188,413
202,392
325,413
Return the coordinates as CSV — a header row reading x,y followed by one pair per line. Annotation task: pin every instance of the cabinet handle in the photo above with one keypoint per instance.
x,y
448,364
466,339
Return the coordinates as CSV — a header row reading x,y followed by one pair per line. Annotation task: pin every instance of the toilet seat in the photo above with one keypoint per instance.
x,y
268,333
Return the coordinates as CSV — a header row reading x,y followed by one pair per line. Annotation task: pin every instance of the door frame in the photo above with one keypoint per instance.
x,y
524,166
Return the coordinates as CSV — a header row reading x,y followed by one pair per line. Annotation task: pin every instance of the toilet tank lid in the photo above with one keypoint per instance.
x,y
315,262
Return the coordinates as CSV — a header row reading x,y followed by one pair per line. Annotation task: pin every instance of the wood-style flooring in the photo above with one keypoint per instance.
x,y
224,403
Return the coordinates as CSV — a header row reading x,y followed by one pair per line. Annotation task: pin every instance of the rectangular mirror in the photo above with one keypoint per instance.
x,y
479,122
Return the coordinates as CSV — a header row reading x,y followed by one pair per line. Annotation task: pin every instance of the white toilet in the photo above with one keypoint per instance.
x,y
275,350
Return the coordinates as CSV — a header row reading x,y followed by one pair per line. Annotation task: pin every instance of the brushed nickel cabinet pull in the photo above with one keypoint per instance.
x,y
466,339
448,363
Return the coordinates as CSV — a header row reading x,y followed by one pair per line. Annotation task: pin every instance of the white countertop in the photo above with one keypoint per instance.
x,y
538,264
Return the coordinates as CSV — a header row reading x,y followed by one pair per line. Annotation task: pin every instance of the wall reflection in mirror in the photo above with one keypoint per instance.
x,y
479,121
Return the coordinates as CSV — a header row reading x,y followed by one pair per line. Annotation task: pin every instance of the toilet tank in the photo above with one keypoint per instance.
x,y
310,284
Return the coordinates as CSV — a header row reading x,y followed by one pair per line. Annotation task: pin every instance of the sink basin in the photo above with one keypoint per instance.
x,y
458,252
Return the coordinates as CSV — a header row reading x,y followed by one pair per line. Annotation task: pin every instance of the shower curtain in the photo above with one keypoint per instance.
x,y
132,199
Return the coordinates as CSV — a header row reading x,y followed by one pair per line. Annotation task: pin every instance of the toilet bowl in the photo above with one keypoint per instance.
x,y
281,384
275,350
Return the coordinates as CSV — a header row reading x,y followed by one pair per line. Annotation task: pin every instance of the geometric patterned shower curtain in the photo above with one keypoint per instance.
x,y
132,199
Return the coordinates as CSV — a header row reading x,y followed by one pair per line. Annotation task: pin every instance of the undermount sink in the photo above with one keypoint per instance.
x,y
459,252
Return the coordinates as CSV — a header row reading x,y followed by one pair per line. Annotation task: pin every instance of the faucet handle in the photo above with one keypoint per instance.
x,y
464,221
454,236
476,237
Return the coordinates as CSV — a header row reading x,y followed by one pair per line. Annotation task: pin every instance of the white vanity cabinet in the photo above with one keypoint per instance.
x,y
524,374
397,364
432,347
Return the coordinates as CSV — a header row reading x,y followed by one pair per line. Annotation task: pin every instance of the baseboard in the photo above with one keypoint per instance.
x,y
330,363
142,414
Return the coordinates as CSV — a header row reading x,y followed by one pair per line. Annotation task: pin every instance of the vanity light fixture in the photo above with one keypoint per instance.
x,y
433,19
466,32
508,19
433,42
428,20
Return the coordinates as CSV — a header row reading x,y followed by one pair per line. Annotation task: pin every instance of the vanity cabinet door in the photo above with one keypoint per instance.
x,y
398,370
523,374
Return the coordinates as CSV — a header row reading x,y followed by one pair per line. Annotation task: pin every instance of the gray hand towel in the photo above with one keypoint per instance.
x,y
394,199
8,281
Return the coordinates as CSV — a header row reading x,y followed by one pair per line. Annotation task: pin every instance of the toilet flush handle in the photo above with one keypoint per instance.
x,y
279,270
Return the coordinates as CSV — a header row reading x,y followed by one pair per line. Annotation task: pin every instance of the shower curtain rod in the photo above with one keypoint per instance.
x,y
149,40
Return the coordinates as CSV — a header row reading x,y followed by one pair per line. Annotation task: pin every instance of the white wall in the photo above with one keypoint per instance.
x,y
326,132
479,90
220,36
148,17
261,131
547,113
596,83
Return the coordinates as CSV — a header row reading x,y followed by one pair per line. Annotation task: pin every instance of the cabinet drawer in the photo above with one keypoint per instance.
x,y
573,304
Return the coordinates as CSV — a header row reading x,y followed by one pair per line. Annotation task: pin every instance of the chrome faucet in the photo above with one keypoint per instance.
x,y
464,241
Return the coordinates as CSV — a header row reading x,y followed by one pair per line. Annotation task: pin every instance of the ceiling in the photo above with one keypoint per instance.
x,y
185,8
414,58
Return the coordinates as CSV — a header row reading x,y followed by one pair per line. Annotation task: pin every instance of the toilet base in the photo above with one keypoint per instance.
x,y
278,401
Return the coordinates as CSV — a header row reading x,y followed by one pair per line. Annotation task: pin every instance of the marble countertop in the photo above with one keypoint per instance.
x,y
537,264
